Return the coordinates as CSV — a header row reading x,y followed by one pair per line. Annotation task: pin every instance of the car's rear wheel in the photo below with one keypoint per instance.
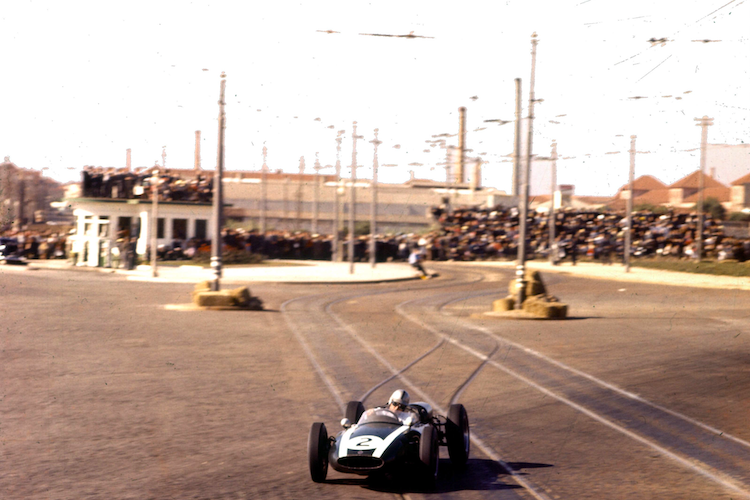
x,y
317,452
458,435
354,410
429,454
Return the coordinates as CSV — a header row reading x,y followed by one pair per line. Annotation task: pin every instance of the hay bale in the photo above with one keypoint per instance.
x,y
203,286
213,299
242,298
238,298
534,285
502,305
542,307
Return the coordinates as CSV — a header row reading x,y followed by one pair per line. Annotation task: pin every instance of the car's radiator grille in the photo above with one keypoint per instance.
x,y
361,462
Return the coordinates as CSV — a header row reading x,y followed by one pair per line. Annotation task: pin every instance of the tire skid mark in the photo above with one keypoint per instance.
x,y
690,462
325,378
396,373
330,384
478,442
602,383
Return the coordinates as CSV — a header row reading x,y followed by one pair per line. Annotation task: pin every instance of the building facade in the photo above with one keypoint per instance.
x,y
105,224
25,196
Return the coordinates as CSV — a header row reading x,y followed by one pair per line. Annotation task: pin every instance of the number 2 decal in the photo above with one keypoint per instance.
x,y
364,443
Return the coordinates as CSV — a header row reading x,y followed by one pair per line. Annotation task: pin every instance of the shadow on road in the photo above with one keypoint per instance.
x,y
479,475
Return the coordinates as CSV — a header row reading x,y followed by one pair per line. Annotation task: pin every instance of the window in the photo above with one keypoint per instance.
x,y
103,226
179,229
123,227
200,228
160,227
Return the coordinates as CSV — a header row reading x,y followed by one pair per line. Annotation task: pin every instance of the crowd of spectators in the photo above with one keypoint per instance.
x,y
36,244
481,234
101,182
463,234
475,234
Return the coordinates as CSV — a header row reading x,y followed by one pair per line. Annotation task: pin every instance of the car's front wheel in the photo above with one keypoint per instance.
x,y
457,435
429,454
317,452
354,410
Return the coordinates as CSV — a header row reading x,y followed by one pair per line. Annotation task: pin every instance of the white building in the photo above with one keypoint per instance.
x,y
100,222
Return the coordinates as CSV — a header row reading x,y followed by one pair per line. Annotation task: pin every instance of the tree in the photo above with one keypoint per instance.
x,y
654,209
739,216
713,207
361,228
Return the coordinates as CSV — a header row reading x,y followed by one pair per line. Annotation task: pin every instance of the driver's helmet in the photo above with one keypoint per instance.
x,y
400,398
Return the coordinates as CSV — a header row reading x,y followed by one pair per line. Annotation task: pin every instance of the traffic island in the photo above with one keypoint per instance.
x,y
537,305
237,298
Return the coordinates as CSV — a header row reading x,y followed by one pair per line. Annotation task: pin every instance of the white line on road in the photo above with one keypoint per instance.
x,y
706,471
326,379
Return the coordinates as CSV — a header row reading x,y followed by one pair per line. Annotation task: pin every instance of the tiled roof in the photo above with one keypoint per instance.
x,y
723,194
644,183
692,181
655,197
593,200
745,179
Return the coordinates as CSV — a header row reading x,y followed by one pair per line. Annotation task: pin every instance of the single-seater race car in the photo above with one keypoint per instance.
x,y
390,438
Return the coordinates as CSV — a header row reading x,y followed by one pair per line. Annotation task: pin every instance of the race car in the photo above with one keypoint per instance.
x,y
386,439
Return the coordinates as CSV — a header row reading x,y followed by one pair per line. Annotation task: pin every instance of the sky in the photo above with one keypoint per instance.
x,y
84,81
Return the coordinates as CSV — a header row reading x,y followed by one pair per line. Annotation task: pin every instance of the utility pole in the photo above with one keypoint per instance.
x,y
629,233
286,200
461,144
521,264
374,205
449,177
197,160
264,193
154,217
551,220
218,194
316,194
297,224
155,210
336,251
517,141
353,197
704,123
127,159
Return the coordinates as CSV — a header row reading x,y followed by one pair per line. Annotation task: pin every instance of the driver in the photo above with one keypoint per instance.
x,y
398,403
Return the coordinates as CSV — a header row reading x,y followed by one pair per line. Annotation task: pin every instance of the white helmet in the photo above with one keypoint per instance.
x,y
400,398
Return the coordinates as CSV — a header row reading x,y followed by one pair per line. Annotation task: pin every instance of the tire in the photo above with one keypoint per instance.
x,y
317,452
354,410
429,455
458,435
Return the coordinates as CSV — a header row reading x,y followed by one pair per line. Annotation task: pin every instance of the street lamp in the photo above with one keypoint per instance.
x,y
216,243
374,205
336,254
353,196
154,219
263,193
316,193
521,262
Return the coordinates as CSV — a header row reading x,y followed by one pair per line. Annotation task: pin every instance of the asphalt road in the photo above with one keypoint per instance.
x,y
106,392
